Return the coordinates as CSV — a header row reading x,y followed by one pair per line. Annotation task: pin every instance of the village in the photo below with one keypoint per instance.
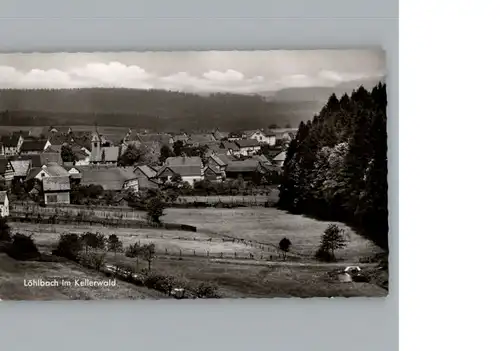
x,y
47,166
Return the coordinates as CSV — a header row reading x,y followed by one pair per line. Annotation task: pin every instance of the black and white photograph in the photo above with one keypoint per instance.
x,y
193,175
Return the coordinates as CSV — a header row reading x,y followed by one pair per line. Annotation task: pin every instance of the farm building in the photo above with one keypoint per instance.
x,y
56,190
6,171
30,147
200,139
110,178
248,147
4,204
230,148
146,176
21,168
279,159
213,174
262,160
189,168
218,135
215,162
244,168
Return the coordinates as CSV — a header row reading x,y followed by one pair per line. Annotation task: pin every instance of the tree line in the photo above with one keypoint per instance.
x,y
336,167
146,108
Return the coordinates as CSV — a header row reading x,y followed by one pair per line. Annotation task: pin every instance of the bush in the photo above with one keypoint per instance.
x,y
161,283
206,291
23,248
69,246
4,230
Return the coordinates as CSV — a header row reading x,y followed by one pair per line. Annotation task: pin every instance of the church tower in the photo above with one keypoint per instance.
x,y
96,147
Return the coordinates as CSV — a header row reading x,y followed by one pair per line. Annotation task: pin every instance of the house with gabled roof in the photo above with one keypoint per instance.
x,y
110,178
21,168
11,144
47,171
30,147
200,139
243,168
248,147
147,177
56,190
189,168
230,148
264,137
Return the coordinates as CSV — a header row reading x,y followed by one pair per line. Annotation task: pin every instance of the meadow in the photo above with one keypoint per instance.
x,y
236,249
13,273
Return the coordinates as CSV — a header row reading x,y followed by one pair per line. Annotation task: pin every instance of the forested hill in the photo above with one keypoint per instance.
x,y
336,168
148,108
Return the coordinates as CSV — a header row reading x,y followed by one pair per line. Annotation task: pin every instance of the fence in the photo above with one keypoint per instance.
x,y
105,222
243,200
266,248
78,211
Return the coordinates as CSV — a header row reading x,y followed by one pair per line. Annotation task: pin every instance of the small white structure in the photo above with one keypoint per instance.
x,y
4,204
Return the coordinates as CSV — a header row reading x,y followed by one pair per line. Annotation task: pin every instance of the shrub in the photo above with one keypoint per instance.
x,y
23,248
4,230
206,291
69,246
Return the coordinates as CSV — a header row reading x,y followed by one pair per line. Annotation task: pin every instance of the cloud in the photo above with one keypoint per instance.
x,y
117,74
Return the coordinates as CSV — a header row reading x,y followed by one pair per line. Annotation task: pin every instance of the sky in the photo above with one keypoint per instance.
x,y
193,71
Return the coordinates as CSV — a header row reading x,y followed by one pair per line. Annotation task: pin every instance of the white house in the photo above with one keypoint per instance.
x,y
263,137
4,204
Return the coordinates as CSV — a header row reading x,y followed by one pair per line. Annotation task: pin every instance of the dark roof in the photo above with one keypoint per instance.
x,y
262,159
248,165
147,170
235,135
23,133
33,145
212,170
225,158
9,141
247,143
56,183
229,145
218,160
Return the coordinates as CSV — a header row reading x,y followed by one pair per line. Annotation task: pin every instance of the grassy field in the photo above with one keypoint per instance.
x,y
249,273
13,273
269,225
237,280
